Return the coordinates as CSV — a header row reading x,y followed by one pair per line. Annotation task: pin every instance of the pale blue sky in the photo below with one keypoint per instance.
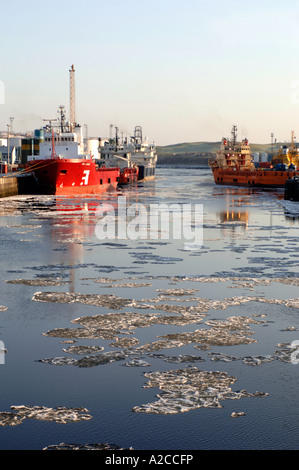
x,y
186,71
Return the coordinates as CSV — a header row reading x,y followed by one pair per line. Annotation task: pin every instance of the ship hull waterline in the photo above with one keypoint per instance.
x,y
73,177
251,178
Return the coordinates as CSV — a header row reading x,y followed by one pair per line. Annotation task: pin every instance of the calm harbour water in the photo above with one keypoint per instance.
x,y
250,249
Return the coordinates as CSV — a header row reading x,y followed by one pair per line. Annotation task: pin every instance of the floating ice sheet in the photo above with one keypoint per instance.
x,y
103,300
38,282
188,389
87,361
96,446
83,350
59,414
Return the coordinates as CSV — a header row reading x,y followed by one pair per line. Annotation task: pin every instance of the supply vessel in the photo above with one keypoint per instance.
x,y
62,166
136,157
234,166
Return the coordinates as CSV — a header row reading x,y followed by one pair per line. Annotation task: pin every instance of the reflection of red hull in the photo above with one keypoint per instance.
x,y
260,178
128,176
73,176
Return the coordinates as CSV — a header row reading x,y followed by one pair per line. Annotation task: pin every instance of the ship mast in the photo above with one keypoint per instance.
x,y
61,118
234,135
72,99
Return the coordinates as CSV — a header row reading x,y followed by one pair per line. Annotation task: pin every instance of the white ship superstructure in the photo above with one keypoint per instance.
x,y
137,152
66,140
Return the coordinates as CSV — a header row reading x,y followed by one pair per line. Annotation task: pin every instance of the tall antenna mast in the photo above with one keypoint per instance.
x,y
234,134
72,99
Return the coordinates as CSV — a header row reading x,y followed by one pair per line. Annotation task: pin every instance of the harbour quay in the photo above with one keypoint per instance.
x,y
16,184
8,186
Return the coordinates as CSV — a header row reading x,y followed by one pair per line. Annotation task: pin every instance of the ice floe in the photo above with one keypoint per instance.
x,y
60,414
136,363
87,361
104,300
38,282
96,446
188,389
237,414
83,350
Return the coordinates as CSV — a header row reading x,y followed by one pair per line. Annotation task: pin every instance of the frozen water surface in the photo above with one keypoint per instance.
x,y
99,337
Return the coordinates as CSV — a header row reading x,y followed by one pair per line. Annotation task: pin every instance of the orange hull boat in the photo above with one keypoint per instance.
x,y
260,178
234,166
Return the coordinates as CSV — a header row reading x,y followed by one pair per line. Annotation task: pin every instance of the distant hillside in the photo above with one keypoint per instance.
x,y
198,153
189,147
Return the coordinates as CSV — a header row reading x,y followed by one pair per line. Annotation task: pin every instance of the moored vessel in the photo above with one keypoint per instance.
x,y
135,157
61,169
234,166
62,166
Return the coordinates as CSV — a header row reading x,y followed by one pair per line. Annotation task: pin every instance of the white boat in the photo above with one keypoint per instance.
x,y
137,152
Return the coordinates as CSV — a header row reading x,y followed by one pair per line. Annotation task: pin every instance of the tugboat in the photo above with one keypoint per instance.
x,y
136,158
62,167
234,166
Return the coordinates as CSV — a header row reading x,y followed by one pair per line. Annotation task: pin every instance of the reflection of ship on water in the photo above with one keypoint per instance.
x,y
73,221
233,221
237,217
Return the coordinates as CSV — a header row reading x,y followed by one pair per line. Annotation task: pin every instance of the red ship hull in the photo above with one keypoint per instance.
x,y
251,178
128,176
73,176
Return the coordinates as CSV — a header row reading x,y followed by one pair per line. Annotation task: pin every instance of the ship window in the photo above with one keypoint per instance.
x,y
109,180
63,172
101,181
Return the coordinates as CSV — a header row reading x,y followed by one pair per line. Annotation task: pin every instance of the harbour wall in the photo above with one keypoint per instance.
x,y
8,186
16,185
